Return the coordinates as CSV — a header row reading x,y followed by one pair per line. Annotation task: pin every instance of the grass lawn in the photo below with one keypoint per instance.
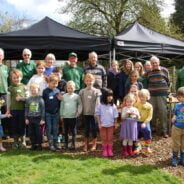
x,y
28,167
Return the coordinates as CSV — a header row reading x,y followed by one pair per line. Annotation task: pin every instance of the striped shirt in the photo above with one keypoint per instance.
x,y
99,73
158,81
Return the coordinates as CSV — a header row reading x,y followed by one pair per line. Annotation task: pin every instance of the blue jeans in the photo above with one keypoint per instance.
x,y
144,132
52,123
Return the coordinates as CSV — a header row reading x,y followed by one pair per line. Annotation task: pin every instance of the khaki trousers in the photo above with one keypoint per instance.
x,y
178,139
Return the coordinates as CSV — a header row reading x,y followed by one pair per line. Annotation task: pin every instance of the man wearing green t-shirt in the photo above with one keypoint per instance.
x,y
73,72
27,67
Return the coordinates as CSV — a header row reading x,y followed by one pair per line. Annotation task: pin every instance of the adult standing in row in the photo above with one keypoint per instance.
x,y
4,73
180,78
27,67
74,72
112,79
97,70
49,61
127,68
158,85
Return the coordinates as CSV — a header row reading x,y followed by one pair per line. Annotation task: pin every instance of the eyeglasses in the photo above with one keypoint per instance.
x,y
26,54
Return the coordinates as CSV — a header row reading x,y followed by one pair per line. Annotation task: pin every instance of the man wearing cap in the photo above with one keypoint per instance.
x,y
73,72
97,70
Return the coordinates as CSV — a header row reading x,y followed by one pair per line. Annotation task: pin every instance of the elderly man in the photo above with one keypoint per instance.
x,y
97,70
27,67
74,72
158,85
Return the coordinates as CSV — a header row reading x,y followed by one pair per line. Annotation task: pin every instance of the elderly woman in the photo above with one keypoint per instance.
x,y
27,67
49,61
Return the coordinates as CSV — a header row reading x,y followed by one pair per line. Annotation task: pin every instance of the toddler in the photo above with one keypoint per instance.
x,y
2,149
146,112
128,132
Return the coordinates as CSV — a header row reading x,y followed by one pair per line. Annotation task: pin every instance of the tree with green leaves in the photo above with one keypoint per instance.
x,y
6,22
9,23
109,18
178,16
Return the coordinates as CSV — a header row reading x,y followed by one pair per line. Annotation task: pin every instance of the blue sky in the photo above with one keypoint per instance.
x,y
34,9
38,9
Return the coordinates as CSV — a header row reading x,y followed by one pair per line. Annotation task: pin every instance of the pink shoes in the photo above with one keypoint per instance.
x,y
107,150
127,151
104,150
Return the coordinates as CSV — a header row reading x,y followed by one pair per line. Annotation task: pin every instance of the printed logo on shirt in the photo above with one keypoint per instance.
x,y
34,106
19,91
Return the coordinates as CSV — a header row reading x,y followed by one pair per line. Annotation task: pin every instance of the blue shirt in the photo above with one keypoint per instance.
x,y
179,113
48,71
52,104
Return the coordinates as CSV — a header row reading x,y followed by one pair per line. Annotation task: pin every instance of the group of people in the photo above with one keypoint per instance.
x,y
44,97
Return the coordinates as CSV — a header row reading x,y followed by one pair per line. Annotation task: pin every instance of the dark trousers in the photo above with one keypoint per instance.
x,y
5,121
35,130
90,126
17,123
144,132
70,125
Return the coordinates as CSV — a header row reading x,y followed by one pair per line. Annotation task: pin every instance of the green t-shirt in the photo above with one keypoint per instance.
x,y
180,78
17,90
4,72
76,74
28,70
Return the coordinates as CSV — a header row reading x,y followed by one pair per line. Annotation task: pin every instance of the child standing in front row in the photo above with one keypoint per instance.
x,y
62,88
178,129
146,112
70,109
90,98
106,114
35,116
16,105
2,149
51,96
128,132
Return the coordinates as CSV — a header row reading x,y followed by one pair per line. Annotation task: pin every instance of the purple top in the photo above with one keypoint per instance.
x,y
107,114
115,73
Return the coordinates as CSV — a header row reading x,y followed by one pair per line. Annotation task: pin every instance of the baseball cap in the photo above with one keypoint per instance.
x,y
72,54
